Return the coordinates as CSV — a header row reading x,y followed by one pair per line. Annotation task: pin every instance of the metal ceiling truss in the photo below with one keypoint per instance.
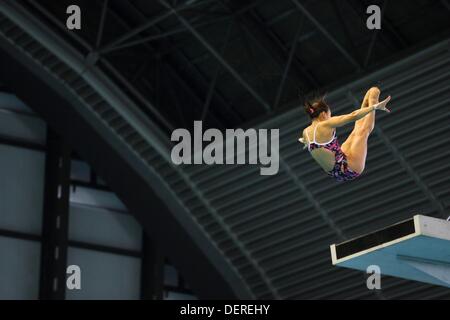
x,y
204,82
269,42
91,62
394,36
216,55
327,35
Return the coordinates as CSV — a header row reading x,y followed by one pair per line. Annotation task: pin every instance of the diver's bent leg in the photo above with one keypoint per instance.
x,y
371,97
369,120
357,154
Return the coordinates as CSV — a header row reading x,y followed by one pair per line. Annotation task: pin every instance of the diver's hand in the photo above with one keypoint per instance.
x,y
382,105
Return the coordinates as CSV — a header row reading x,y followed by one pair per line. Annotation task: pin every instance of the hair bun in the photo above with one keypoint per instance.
x,y
315,107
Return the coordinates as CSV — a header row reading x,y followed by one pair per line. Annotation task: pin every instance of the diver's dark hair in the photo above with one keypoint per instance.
x,y
314,107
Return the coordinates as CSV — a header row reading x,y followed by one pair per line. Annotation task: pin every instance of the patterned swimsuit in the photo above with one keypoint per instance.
x,y
341,171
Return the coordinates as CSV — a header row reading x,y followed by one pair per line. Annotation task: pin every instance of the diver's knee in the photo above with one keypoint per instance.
x,y
375,91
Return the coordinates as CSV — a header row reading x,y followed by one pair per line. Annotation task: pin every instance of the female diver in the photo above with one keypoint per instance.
x,y
346,162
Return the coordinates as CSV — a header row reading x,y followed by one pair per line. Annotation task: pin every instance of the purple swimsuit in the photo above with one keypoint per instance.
x,y
341,171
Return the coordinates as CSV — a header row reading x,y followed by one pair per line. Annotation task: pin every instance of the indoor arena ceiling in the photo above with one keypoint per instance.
x,y
229,62
270,235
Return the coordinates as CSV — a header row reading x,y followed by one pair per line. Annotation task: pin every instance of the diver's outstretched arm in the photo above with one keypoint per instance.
x,y
339,121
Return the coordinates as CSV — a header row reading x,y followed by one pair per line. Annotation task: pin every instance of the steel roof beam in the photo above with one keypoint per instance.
x,y
374,37
216,75
320,27
204,82
172,71
161,35
151,22
265,38
400,41
339,13
102,23
289,62
218,57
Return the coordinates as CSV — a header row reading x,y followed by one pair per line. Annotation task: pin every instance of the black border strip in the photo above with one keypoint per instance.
x,y
376,238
